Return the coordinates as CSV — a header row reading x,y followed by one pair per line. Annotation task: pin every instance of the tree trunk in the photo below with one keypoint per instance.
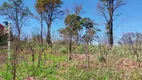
x,y
77,41
14,62
111,22
48,38
111,35
19,34
41,33
78,38
17,21
70,47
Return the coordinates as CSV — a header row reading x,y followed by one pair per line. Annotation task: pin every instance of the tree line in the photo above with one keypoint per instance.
x,y
50,10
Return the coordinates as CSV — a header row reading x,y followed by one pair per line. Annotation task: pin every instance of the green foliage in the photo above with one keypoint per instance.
x,y
6,75
93,49
51,71
73,21
56,59
5,72
88,75
63,50
3,40
48,6
90,31
65,32
87,23
101,59
54,67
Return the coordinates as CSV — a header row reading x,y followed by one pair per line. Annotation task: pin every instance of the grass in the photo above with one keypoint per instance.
x,y
58,67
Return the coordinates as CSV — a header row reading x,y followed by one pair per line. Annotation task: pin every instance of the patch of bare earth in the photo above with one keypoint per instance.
x,y
83,59
128,64
63,64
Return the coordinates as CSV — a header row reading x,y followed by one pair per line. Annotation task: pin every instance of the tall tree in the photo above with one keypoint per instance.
x,y
78,10
40,9
51,11
15,11
73,24
107,8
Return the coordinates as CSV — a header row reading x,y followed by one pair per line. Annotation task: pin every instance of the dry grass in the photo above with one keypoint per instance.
x,y
115,67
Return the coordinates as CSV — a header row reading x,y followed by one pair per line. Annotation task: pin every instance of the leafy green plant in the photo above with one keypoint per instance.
x,y
6,74
63,50
101,59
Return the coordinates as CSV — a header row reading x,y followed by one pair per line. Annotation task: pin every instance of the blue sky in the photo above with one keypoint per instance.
x,y
129,21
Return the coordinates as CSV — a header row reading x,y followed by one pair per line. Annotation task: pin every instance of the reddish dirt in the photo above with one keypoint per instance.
x,y
82,60
127,64
79,57
83,57
63,64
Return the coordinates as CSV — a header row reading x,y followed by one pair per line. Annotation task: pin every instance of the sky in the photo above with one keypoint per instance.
x,y
129,21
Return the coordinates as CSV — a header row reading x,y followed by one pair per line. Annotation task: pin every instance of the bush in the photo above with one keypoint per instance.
x,y
63,50
3,40
101,59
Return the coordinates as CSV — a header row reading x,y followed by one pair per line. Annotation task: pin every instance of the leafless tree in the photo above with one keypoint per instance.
x,y
15,11
107,9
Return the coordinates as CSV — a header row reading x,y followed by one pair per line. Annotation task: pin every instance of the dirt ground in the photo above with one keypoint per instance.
x,y
3,58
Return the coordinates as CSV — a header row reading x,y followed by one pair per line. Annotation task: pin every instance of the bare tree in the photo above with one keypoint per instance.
x,y
40,11
15,11
132,42
51,10
107,9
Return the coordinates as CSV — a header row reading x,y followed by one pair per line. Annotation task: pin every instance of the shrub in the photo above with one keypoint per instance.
x,y
80,49
101,59
63,50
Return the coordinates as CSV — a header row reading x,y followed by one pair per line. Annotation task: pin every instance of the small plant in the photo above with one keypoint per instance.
x,y
63,50
101,59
